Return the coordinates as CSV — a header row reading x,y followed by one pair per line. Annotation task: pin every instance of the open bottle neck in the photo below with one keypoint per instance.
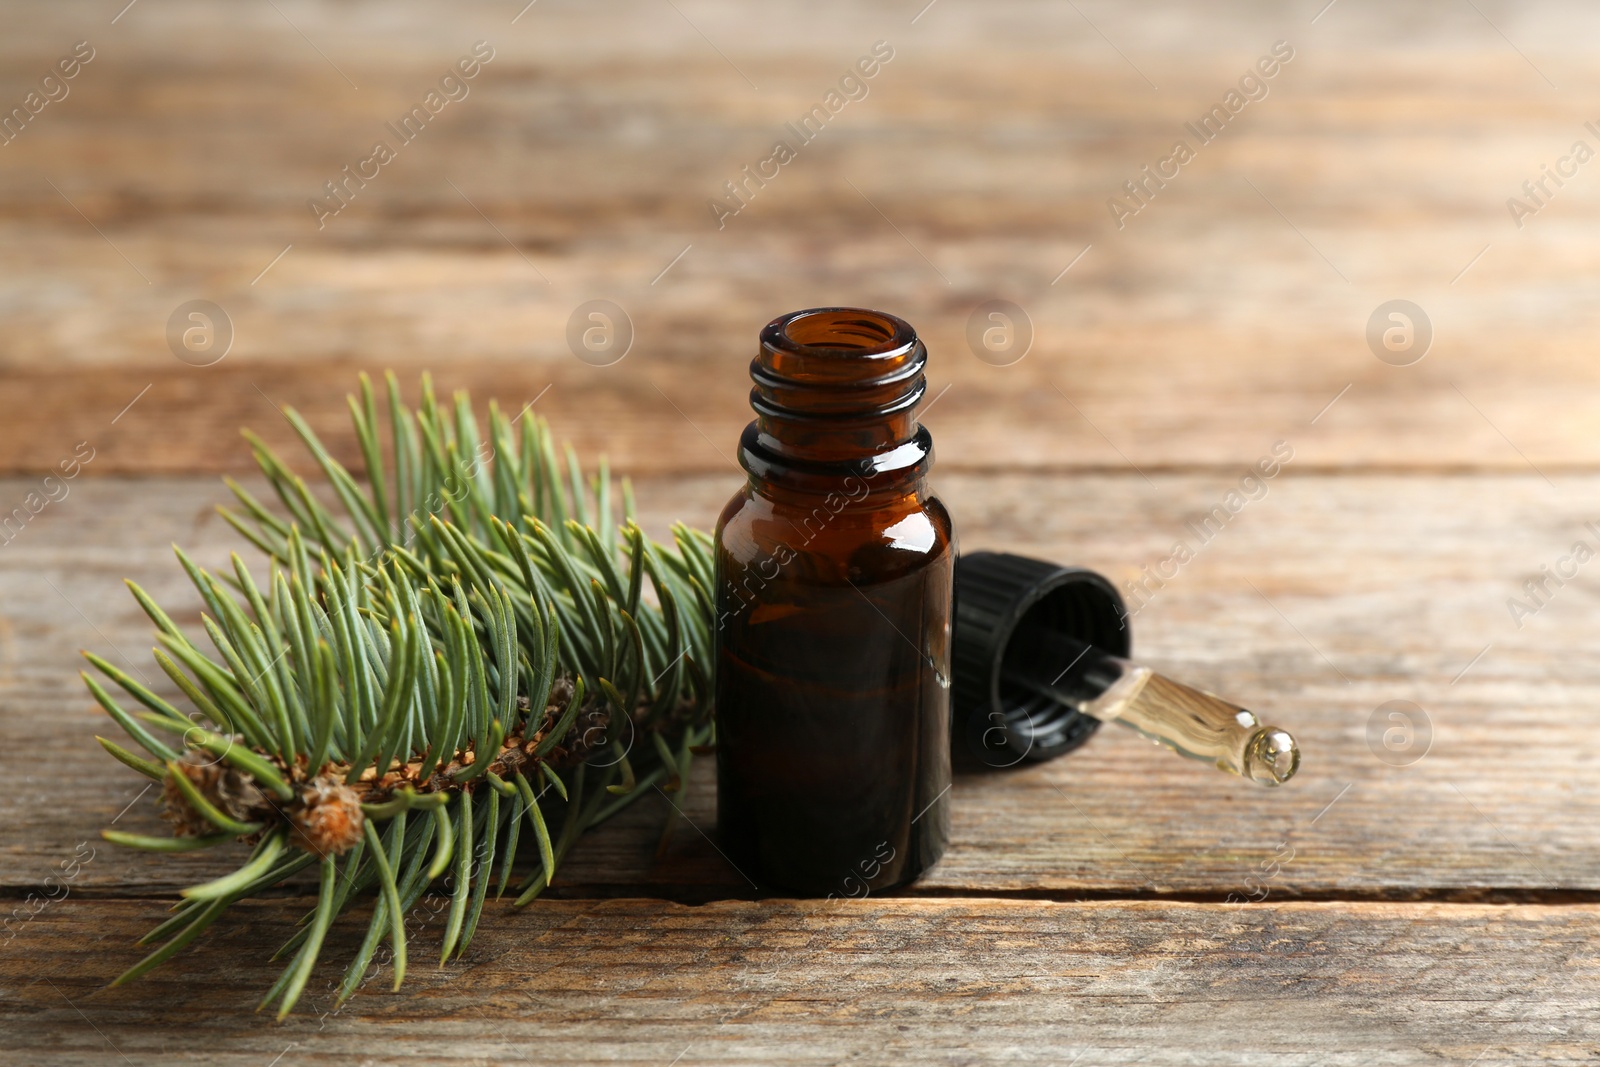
x,y
835,396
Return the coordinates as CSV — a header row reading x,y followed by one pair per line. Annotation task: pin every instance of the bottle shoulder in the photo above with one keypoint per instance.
x,y
849,536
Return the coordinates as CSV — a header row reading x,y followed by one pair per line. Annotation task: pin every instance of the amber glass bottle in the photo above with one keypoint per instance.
x,y
834,567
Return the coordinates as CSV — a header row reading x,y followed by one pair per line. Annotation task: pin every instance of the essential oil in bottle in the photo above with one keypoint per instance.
x,y
834,569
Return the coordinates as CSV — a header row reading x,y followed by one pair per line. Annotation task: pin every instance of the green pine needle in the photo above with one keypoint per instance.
x,y
445,638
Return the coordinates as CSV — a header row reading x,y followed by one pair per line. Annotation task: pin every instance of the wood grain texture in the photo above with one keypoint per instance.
x,y
1168,355
941,982
1231,309
1315,606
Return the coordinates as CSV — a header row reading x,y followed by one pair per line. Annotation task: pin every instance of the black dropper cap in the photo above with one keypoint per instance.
x,y
1040,657
999,598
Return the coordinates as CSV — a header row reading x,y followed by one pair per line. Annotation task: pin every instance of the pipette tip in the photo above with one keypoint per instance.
x,y
1271,757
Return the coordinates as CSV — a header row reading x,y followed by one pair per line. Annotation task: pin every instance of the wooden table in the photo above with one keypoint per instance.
x,y
1442,902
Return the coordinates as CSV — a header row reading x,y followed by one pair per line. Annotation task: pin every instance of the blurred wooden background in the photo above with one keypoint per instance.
x,y
1443,902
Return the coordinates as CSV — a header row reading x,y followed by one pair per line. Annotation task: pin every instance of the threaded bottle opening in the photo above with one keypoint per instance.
x,y
830,330
834,385
837,361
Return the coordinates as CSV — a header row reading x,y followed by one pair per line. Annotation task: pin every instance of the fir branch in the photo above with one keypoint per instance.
x,y
448,640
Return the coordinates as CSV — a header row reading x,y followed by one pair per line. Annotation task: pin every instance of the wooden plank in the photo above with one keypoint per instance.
x,y
943,982
1219,317
675,411
1316,605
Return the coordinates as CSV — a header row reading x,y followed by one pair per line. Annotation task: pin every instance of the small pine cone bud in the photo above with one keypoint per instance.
x,y
591,731
232,791
329,818
561,691
175,808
